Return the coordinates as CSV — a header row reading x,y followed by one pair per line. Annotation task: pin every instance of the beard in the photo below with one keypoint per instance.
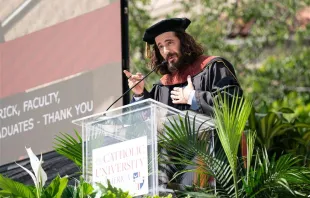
x,y
178,65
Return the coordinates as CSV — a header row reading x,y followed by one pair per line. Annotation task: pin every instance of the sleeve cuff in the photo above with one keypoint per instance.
x,y
191,97
192,101
137,98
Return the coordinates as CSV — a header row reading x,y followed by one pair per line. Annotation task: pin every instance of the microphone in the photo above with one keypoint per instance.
x,y
157,66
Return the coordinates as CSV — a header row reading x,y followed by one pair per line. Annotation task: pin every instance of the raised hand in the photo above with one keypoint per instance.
x,y
133,79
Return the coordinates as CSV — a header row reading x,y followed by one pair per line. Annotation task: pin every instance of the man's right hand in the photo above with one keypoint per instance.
x,y
133,79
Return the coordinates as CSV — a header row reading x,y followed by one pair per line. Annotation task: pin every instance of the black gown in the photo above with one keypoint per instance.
x,y
218,76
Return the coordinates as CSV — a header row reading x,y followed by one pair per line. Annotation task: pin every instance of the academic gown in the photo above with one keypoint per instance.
x,y
210,76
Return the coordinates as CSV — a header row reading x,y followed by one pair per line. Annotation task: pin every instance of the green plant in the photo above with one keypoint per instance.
x,y
287,79
12,189
280,135
230,122
182,138
39,176
56,188
271,177
262,176
70,147
82,189
112,192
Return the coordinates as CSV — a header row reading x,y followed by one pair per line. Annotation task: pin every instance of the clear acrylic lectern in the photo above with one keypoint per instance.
x,y
120,145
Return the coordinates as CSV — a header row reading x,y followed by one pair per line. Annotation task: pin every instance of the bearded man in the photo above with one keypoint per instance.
x,y
190,79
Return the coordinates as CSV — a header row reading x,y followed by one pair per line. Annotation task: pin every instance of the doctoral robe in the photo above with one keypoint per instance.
x,y
210,76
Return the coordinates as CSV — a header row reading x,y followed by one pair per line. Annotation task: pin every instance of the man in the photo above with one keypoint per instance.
x,y
190,79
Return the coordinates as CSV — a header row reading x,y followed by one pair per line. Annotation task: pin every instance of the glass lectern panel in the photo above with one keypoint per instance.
x,y
120,145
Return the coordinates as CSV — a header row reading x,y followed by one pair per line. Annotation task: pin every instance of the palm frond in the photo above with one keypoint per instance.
x,y
231,115
262,177
183,142
70,147
173,142
273,176
250,139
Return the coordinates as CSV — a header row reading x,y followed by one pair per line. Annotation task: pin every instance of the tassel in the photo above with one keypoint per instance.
x,y
148,51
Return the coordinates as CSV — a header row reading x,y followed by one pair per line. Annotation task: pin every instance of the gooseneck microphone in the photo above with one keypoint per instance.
x,y
157,66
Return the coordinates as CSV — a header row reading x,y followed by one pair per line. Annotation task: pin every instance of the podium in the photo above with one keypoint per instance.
x,y
120,145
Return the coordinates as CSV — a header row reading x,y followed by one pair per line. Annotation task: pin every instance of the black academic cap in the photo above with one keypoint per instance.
x,y
167,25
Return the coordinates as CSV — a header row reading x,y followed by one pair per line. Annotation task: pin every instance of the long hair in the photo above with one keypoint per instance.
x,y
190,51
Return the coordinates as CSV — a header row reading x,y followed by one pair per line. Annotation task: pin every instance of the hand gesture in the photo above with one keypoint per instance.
x,y
180,95
133,79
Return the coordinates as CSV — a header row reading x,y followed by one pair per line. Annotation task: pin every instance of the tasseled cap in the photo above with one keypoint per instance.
x,y
167,25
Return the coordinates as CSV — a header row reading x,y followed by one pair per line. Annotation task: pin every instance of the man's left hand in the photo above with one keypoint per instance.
x,y
180,95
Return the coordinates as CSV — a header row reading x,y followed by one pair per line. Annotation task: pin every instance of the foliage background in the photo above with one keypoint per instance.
x,y
267,42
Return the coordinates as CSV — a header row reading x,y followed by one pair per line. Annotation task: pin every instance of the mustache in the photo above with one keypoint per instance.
x,y
171,54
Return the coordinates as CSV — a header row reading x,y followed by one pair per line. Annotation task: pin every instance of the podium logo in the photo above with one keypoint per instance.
x,y
138,180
